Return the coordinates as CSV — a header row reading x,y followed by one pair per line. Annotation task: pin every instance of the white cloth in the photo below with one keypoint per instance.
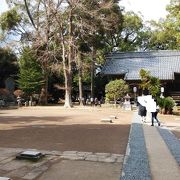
x,y
148,102
151,106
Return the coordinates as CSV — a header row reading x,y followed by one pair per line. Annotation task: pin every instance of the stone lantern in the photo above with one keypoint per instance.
x,y
127,103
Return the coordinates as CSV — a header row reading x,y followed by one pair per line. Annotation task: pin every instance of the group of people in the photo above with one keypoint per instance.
x,y
92,101
154,109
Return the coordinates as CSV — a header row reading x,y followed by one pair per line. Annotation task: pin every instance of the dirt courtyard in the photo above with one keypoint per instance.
x,y
79,129
172,122
76,129
56,128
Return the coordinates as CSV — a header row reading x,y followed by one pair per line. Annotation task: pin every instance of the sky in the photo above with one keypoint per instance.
x,y
3,6
150,9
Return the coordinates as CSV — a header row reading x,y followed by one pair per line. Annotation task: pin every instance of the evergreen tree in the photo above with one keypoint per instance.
x,y
150,83
30,76
165,34
8,65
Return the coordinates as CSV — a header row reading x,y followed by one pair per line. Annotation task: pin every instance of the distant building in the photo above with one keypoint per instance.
x,y
162,64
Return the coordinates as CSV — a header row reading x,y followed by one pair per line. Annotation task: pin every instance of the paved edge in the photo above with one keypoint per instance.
x,y
162,163
24,169
136,164
172,142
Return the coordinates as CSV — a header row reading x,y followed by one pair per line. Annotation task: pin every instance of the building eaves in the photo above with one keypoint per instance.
x,y
161,64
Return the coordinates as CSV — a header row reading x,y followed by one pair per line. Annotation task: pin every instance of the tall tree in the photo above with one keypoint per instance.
x,y
165,34
8,65
54,28
132,27
110,22
150,83
30,75
27,31
84,18
126,33
174,16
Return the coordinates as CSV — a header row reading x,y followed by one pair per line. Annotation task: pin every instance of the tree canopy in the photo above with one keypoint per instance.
x,y
30,74
165,34
116,90
74,35
150,83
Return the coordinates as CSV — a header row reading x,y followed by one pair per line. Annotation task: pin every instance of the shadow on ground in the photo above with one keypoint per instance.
x,y
89,137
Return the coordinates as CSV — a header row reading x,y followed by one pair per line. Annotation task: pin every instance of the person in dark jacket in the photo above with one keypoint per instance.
x,y
154,116
142,112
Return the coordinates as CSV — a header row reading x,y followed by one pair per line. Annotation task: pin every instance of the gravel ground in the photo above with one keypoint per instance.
x,y
172,122
172,142
136,165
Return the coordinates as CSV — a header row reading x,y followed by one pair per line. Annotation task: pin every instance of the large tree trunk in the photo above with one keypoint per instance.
x,y
46,89
67,63
92,71
68,87
68,80
43,99
80,79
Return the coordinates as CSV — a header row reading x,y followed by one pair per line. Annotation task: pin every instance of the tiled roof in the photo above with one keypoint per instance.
x,y
161,64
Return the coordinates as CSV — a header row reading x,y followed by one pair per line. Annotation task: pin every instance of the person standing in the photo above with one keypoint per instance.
x,y
96,101
154,112
92,101
19,101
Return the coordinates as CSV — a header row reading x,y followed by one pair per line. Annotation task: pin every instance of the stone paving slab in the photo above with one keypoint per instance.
x,y
35,172
21,172
162,163
13,165
29,170
83,170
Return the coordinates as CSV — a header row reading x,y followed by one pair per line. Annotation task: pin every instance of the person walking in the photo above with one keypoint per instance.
x,y
142,112
155,110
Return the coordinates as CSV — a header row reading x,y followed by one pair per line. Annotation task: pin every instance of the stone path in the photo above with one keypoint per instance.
x,y
172,142
152,153
82,170
25,169
162,163
136,164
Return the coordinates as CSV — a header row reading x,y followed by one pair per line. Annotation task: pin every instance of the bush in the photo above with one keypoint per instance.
x,y
160,102
166,104
169,103
115,90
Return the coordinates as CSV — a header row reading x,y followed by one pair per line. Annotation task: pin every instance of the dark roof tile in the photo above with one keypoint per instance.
x,y
161,64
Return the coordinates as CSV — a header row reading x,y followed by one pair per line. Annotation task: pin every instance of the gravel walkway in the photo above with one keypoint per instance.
x,y
136,162
136,166
172,142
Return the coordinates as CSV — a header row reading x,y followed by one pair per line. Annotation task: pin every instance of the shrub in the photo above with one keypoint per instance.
x,y
169,103
160,102
116,89
166,104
